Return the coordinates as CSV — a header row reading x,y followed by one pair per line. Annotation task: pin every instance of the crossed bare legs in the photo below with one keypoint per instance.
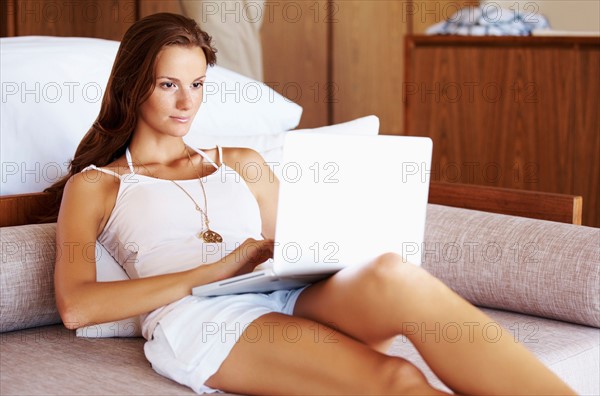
x,y
343,326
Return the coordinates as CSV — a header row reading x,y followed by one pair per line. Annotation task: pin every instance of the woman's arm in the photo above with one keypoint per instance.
x,y
86,205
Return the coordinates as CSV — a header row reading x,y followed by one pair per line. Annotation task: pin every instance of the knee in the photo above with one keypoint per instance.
x,y
393,269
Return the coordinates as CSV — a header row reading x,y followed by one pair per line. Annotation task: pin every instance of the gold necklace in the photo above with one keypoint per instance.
x,y
206,234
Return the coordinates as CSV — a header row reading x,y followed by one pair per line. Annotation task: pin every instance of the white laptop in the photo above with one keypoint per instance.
x,y
343,200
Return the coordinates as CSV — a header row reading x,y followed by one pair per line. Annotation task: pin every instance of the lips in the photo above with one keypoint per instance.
x,y
180,119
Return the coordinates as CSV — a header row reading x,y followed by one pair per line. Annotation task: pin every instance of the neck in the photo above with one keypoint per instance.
x,y
162,151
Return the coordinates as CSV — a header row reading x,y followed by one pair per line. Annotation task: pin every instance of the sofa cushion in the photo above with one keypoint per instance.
x,y
27,282
530,266
27,277
51,360
513,263
34,361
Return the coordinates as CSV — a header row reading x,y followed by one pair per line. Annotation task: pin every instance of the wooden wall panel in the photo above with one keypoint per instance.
x,y
108,19
295,54
149,7
586,134
368,55
7,18
342,59
368,61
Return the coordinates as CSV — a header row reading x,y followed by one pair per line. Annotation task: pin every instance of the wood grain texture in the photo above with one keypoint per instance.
x,y
368,61
368,56
7,18
504,112
538,205
22,208
295,39
501,41
486,108
108,19
149,7
586,134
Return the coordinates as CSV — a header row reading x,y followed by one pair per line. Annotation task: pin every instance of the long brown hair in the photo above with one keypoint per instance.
x,y
131,82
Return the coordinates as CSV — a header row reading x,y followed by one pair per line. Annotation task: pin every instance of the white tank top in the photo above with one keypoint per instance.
x,y
153,226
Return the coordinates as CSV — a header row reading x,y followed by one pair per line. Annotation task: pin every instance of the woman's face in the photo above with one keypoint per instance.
x,y
177,94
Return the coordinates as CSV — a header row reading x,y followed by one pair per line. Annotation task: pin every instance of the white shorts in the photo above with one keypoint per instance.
x,y
191,342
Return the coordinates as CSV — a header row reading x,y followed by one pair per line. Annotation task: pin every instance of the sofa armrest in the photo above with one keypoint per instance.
x,y
518,264
534,204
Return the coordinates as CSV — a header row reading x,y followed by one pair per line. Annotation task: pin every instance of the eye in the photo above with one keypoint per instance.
x,y
198,84
167,84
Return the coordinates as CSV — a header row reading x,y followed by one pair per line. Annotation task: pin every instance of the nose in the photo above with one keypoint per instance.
x,y
184,100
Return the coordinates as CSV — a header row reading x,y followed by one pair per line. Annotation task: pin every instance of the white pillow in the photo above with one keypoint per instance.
x,y
271,146
52,89
107,269
236,105
51,93
260,143
365,126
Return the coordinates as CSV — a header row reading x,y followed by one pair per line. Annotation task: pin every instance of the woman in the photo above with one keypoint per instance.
x,y
170,217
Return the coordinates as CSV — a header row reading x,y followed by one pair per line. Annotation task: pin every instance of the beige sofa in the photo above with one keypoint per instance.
x,y
538,279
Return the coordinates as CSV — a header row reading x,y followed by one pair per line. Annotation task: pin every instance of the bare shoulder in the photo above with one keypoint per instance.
x,y
248,163
241,155
91,181
253,169
89,196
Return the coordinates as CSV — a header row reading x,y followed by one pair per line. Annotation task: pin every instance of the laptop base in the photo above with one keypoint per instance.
x,y
256,282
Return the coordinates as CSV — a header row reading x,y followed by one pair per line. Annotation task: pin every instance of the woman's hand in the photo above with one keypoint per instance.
x,y
249,254
241,260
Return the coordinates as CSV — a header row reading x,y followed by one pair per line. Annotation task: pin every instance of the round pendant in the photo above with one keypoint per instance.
x,y
209,236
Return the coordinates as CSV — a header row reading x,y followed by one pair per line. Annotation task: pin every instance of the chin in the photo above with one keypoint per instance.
x,y
179,132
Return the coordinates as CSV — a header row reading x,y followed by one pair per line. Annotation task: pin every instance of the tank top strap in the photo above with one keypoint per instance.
x,y
107,171
207,158
129,160
220,151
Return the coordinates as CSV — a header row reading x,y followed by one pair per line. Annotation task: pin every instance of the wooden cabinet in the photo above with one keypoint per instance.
x,y
518,112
